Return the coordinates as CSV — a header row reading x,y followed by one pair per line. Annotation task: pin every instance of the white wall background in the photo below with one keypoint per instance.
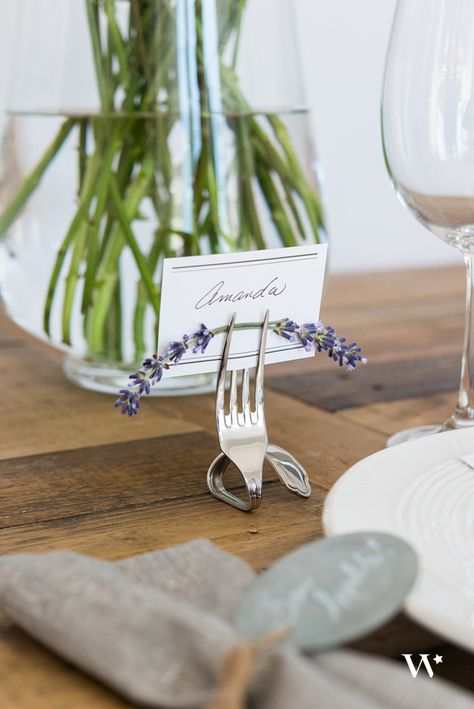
x,y
342,45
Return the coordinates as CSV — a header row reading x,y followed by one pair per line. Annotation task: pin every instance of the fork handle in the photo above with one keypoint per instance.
x,y
215,484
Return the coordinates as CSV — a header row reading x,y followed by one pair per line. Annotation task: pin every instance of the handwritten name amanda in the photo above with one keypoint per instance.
x,y
217,294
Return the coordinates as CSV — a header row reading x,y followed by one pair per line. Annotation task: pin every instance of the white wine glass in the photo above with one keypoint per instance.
x,y
428,141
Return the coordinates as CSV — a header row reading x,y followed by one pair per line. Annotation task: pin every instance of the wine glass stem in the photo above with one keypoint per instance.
x,y
464,413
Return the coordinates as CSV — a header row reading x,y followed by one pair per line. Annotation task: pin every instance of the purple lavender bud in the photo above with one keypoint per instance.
x,y
141,381
305,336
346,355
154,367
286,328
287,336
177,349
129,401
324,337
203,337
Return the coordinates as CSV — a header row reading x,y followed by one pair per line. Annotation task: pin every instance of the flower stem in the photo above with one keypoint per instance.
x,y
132,243
102,84
31,182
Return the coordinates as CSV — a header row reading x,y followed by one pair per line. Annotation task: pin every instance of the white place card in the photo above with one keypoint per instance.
x,y
208,289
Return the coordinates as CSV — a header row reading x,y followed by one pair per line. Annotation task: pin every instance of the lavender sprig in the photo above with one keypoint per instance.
x,y
129,401
310,335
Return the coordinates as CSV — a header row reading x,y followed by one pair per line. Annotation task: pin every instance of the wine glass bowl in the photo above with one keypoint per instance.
x,y
428,142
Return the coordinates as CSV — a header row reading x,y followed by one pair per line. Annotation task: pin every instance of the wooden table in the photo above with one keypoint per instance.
x,y
75,474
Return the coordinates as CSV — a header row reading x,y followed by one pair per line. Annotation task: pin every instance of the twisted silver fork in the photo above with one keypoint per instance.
x,y
289,470
242,434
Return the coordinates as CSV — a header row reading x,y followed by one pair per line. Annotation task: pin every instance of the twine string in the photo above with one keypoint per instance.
x,y
239,669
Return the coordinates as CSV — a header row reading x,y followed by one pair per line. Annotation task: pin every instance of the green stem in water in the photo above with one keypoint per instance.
x,y
94,186
159,247
250,222
93,241
109,6
108,270
132,243
80,218
31,182
275,206
82,151
106,95
71,281
310,197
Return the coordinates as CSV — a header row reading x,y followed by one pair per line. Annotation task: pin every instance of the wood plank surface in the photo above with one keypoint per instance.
x,y
260,539
75,474
381,381
389,417
31,677
44,412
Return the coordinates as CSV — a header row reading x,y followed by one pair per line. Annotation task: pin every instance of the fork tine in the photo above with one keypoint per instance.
x,y
246,394
223,366
233,398
261,363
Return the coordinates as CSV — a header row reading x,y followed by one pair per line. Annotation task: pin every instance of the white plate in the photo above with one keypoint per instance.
x,y
423,492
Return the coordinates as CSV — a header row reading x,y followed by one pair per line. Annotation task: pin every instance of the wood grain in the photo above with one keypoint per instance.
x,y
31,677
10,335
44,412
74,474
388,417
381,381
103,478
284,522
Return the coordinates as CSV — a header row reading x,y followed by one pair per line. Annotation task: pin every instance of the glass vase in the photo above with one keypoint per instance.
x,y
138,130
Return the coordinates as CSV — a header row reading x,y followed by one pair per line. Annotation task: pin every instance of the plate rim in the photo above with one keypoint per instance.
x,y
415,604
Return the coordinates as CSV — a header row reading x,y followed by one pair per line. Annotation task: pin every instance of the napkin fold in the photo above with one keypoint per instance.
x,y
156,628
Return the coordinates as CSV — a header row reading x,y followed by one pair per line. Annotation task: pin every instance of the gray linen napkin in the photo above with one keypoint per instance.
x,y
155,627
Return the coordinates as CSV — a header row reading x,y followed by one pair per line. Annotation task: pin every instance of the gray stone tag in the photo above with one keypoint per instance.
x,y
330,592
